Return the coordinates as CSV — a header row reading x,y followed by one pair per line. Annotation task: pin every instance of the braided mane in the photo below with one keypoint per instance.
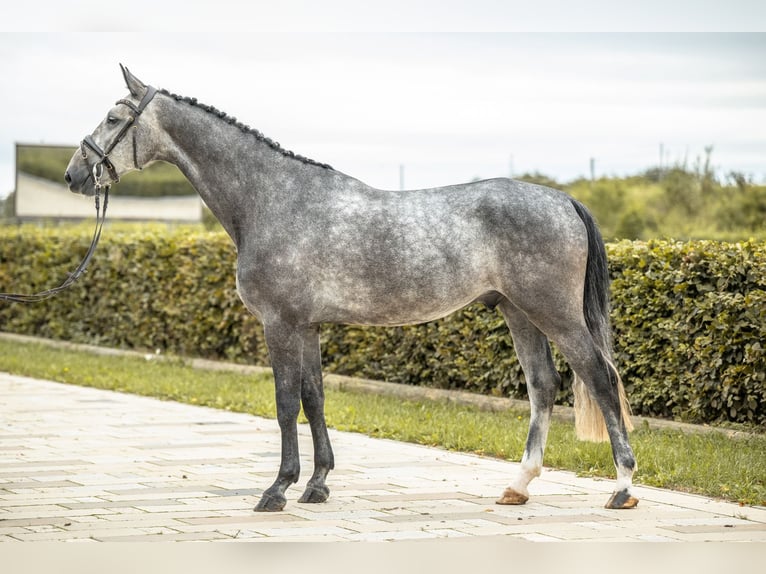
x,y
244,128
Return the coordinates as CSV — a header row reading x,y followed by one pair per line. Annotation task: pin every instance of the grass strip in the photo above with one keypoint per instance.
x,y
711,464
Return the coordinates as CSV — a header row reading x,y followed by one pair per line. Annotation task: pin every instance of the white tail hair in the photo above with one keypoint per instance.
x,y
589,420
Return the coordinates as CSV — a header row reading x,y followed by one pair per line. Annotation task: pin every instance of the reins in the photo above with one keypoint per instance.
x,y
75,275
97,173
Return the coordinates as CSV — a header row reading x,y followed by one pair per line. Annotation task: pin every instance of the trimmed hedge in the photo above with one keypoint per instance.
x,y
689,322
689,318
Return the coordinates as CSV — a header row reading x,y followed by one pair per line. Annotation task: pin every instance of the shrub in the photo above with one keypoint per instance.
x,y
689,321
689,318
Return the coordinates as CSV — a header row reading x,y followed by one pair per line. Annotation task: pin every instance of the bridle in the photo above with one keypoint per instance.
x,y
103,155
97,173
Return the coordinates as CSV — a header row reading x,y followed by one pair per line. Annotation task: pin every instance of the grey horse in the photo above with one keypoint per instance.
x,y
317,246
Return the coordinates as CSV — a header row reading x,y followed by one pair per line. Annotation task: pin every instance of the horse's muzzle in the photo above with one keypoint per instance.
x,y
79,179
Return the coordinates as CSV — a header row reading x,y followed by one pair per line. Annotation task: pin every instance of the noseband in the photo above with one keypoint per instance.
x,y
103,155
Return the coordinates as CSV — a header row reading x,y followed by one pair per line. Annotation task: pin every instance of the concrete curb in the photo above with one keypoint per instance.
x,y
357,385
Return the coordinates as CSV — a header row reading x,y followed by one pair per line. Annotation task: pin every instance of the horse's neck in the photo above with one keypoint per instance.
x,y
221,162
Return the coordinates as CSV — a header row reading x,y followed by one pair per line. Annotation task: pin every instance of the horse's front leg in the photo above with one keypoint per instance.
x,y
295,359
285,352
312,396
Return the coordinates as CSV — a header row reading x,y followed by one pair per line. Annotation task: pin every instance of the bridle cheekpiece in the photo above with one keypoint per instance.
x,y
103,155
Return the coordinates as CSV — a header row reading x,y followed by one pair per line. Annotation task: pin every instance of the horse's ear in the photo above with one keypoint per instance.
x,y
135,85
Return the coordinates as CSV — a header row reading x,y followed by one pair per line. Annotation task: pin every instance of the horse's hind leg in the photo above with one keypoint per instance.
x,y
543,381
294,353
603,385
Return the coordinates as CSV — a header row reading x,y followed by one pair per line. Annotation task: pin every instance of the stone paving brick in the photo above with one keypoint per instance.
x,y
251,519
537,537
120,504
721,529
308,530
291,539
353,514
44,537
419,496
44,463
146,470
161,515
155,491
391,536
161,537
27,474
757,536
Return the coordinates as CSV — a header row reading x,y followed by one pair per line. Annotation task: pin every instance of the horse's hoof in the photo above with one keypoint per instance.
x,y
271,503
510,496
622,499
315,494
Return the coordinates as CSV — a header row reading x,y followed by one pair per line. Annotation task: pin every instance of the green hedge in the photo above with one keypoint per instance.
x,y
689,318
689,321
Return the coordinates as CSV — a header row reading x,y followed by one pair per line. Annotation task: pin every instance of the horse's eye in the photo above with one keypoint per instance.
x,y
111,120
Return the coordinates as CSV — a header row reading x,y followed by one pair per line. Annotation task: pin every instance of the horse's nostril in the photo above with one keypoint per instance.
x,y
67,177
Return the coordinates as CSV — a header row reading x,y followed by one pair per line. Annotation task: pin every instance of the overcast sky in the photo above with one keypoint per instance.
x,y
448,106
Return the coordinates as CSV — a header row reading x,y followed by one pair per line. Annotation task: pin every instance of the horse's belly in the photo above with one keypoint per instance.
x,y
369,306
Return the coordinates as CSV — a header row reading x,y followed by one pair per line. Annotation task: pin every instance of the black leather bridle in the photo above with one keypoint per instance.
x,y
103,155
97,172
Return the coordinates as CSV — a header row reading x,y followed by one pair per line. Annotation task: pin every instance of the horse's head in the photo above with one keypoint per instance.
x,y
116,146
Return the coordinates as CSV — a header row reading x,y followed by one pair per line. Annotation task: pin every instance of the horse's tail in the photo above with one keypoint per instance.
x,y
589,421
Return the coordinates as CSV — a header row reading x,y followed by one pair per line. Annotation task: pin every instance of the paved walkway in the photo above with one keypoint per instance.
x,y
85,464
